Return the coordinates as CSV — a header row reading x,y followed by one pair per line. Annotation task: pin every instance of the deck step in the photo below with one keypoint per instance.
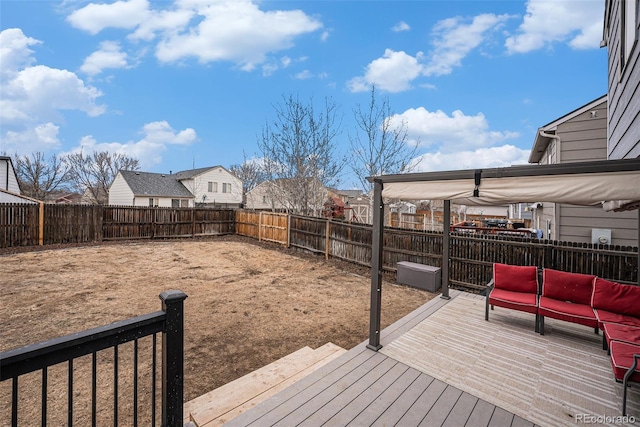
x,y
230,400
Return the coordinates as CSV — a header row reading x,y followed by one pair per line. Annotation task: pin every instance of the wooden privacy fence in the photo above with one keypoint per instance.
x,y
27,224
123,223
472,256
263,225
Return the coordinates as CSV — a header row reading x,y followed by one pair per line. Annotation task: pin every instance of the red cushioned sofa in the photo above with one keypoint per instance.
x,y
514,287
566,296
584,299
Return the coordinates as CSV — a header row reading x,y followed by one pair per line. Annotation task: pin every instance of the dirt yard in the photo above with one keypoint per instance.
x,y
248,304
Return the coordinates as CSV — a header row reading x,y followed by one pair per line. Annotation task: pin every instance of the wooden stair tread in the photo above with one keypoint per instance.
x,y
230,400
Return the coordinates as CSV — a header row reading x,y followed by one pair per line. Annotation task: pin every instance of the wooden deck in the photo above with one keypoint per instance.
x,y
364,387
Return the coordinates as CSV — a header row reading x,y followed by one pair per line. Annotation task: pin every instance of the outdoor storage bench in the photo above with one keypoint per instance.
x,y
566,296
514,287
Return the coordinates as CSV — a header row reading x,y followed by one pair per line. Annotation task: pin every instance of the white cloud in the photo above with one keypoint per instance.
x,y
577,23
34,96
324,36
96,17
238,32
110,55
394,72
209,31
156,136
454,39
450,133
400,26
491,157
41,137
14,52
303,75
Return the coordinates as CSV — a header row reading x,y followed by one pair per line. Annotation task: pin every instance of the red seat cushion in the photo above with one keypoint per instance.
x,y
605,316
624,333
616,298
514,300
563,286
515,278
622,359
567,311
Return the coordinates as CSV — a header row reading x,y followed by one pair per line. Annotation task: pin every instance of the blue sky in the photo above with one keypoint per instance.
x,y
187,83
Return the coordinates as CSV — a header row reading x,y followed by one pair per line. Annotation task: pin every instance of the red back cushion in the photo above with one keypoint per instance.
x,y
516,278
615,297
563,286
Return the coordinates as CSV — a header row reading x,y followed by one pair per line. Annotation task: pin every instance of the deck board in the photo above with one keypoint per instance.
x,y
364,387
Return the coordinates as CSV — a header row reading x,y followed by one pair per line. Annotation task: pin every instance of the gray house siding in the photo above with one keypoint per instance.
x,y
583,137
624,95
577,223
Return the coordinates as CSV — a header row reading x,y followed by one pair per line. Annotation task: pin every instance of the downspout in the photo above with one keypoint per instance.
x,y
556,220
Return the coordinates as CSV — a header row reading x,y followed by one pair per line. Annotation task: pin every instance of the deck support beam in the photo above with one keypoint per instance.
x,y
446,248
377,246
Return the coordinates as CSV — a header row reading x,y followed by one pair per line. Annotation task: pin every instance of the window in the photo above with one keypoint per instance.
x,y
175,203
151,201
210,189
226,187
215,188
184,203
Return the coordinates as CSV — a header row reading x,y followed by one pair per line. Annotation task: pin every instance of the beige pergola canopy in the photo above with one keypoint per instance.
x,y
589,183
616,182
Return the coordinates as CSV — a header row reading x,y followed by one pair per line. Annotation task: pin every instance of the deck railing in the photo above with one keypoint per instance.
x,y
39,357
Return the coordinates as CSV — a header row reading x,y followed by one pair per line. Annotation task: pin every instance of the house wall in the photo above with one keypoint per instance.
x,y
8,179
583,138
120,194
13,198
259,198
199,186
624,94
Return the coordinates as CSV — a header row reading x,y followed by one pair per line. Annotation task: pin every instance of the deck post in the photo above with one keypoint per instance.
x,y
376,267
173,358
446,248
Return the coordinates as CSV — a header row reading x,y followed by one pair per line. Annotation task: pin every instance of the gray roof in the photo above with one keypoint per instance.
x,y
193,172
155,184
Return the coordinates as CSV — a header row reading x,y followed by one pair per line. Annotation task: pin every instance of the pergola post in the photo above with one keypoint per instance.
x,y
446,245
376,267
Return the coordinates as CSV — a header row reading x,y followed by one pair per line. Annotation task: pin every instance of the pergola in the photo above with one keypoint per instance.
x,y
584,183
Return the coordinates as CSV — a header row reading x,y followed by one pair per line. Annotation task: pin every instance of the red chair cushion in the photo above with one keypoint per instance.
x,y
563,286
605,316
624,333
515,278
622,359
616,298
514,300
567,311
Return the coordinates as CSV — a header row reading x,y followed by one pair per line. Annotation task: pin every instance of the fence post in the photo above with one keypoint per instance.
x,y
173,358
327,232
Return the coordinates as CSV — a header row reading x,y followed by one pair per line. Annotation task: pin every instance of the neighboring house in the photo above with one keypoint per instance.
x,y
8,177
132,188
579,136
283,194
211,187
9,187
620,35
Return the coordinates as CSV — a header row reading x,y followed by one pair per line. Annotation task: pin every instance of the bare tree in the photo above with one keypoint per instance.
x,y
250,172
92,174
299,148
40,176
379,146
